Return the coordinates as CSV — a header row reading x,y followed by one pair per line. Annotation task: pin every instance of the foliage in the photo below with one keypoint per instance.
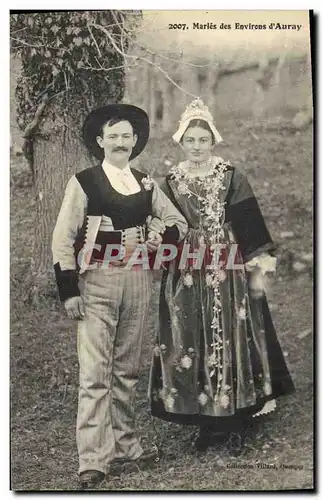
x,y
63,57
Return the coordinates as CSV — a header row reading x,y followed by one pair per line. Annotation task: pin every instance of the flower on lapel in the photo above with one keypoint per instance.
x,y
147,182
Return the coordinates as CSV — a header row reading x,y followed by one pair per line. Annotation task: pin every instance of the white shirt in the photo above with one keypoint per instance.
x,y
122,180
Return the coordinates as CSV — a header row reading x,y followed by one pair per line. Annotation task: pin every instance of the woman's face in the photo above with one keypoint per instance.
x,y
197,144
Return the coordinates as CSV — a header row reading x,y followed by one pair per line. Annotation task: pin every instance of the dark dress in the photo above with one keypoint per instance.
x,y
202,376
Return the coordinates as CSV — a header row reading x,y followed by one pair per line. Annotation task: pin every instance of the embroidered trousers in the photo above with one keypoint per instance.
x,y
116,304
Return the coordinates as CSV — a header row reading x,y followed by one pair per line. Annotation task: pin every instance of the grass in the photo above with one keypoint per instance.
x,y
44,366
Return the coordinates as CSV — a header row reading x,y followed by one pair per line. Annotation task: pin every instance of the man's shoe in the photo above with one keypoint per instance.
x,y
89,479
147,458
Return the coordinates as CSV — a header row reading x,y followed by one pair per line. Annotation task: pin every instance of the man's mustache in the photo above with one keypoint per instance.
x,y
120,148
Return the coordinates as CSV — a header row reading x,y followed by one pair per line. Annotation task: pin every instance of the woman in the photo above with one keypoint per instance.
x,y
217,361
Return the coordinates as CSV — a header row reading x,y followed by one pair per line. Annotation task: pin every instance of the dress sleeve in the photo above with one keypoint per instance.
x,y
247,221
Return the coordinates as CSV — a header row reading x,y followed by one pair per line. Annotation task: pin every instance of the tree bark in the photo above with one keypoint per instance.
x,y
151,90
167,95
56,158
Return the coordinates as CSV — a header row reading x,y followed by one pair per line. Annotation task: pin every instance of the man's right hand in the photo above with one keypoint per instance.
x,y
74,308
155,224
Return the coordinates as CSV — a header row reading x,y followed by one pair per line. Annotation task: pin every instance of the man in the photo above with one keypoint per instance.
x,y
108,206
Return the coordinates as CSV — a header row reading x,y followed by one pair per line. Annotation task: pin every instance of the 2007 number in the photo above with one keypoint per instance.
x,y
177,27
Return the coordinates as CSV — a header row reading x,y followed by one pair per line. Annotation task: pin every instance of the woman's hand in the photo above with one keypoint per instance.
x,y
256,284
260,269
259,283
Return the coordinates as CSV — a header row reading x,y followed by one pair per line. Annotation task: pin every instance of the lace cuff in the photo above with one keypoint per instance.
x,y
269,407
264,262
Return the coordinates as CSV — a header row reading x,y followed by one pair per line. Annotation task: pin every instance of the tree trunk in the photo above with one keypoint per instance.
x,y
56,158
151,90
167,95
212,84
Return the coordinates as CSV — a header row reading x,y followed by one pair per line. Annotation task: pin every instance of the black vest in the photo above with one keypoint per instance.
x,y
103,199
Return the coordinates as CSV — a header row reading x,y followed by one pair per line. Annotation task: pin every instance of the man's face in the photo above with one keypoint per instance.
x,y
117,141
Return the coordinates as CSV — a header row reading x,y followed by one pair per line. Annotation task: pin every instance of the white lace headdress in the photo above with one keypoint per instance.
x,y
196,110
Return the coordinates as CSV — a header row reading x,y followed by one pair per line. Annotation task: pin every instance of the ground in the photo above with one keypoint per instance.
x,y
44,367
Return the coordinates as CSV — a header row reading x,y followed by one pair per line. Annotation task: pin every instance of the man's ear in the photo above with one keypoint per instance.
x,y
135,139
99,140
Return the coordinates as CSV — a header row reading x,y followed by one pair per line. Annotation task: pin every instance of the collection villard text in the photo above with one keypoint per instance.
x,y
235,26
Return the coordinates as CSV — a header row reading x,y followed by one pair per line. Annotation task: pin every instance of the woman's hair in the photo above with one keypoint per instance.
x,y
199,123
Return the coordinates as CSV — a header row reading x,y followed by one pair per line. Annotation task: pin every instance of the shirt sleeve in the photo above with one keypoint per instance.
x,y
69,222
163,208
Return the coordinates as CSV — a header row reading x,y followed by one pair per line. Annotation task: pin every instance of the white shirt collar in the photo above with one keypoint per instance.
x,y
112,169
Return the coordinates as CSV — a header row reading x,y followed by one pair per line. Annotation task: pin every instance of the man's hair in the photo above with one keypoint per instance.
x,y
114,121
202,124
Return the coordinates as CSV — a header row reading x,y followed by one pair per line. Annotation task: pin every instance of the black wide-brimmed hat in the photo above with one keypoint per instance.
x,y
94,121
